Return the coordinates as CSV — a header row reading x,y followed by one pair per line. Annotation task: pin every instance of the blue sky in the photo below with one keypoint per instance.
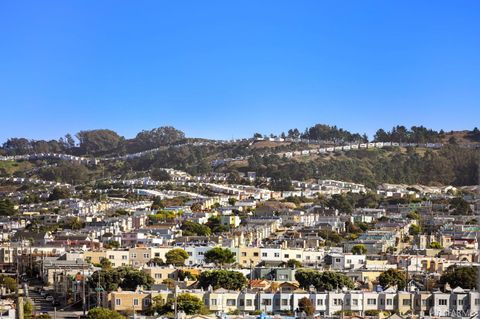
x,y
223,69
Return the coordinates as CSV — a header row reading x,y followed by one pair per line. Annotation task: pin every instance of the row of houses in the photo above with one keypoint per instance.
x,y
328,304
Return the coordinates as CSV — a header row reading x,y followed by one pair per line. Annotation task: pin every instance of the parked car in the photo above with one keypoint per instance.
x,y
49,298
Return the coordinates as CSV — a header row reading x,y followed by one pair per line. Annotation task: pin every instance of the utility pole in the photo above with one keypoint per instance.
x,y
83,291
175,298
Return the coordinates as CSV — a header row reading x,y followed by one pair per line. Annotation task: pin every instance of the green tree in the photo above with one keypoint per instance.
x,y
306,305
27,309
436,245
465,277
7,208
219,256
195,229
8,282
59,193
176,257
293,263
359,249
103,313
227,279
392,277
189,303
159,174
341,203
414,230
323,281
126,278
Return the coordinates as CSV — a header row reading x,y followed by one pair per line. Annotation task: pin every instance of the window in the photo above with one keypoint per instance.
x,y
157,254
371,301
158,276
241,302
135,302
266,302
118,302
284,302
298,256
276,255
349,261
460,302
255,254
146,302
134,255
308,257
389,302
124,257
244,254
337,260
354,302
231,302
264,254
146,256
442,302
286,256
190,253
319,302
337,302
382,302
249,302
213,302
200,253
111,257
406,302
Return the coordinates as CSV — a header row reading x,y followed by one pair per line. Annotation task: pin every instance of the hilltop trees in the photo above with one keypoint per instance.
x,y
98,141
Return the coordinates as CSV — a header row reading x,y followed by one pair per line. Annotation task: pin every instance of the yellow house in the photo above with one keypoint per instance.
x,y
94,256
132,301
248,256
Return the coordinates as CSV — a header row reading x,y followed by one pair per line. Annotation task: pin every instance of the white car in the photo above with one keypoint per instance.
x,y
49,298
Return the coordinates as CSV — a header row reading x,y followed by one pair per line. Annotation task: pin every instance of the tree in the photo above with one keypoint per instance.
x,y
219,256
43,316
98,141
359,249
103,313
306,305
341,203
436,245
465,277
189,303
160,175
8,282
105,263
323,281
227,279
195,229
126,278
7,208
27,309
176,257
293,263
414,230
59,193
392,277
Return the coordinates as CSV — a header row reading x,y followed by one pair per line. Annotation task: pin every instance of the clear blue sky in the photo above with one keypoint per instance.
x,y
223,69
